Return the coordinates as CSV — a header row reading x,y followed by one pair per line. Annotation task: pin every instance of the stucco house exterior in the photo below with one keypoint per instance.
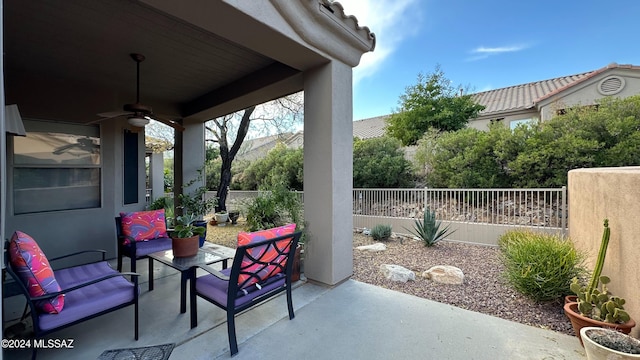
x,y
542,100
67,61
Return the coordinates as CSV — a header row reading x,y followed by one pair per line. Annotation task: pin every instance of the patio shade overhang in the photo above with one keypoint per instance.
x,y
69,60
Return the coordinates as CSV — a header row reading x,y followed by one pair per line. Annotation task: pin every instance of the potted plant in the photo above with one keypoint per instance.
x,y
596,306
602,344
221,217
197,204
185,236
233,216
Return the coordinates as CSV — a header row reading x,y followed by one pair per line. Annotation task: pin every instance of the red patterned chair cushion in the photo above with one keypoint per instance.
x,y
248,265
32,266
144,225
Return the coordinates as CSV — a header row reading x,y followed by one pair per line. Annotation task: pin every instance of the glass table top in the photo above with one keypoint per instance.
x,y
204,257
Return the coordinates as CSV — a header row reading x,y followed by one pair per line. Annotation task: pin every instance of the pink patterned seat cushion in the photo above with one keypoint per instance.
x,y
32,267
144,225
263,253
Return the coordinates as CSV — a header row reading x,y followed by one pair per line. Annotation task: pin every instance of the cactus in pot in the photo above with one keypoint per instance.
x,y
599,304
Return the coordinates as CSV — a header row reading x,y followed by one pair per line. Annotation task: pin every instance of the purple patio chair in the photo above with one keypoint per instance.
x,y
57,299
261,269
142,233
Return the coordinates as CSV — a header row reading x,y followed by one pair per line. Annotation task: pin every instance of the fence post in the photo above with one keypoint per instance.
x,y
565,211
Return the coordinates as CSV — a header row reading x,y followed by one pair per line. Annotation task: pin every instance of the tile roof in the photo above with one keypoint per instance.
x,y
351,21
526,96
370,128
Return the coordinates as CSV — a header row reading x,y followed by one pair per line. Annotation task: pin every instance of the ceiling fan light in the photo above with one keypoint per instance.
x,y
138,121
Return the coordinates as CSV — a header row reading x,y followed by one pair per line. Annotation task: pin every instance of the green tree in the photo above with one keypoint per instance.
x,y
431,103
380,163
281,165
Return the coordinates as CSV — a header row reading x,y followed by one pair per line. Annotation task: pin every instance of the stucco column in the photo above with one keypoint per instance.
x,y
192,154
156,175
328,172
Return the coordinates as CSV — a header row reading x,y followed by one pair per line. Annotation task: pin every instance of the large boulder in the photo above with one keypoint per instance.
x,y
445,274
397,273
373,247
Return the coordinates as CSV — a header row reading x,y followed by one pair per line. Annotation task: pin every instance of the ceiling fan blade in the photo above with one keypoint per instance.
x,y
113,114
108,115
171,123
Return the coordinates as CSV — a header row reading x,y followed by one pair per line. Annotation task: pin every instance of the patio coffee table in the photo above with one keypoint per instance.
x,y
187,267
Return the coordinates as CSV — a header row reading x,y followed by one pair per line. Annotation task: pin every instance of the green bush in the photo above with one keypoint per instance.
x,y
540,266
280,165
380,163
274,207
381,232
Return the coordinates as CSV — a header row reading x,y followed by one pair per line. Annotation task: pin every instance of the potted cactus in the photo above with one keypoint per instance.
x,y
596,306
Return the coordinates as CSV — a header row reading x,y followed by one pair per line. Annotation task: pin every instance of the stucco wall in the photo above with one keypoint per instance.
x,y
612,193
587,93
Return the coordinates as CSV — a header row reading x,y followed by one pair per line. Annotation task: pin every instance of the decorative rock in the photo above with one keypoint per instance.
x,y
366,231
373,248
445,274
397,273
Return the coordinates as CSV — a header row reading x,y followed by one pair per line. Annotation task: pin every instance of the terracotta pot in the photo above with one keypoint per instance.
x,y
579,321
185,247
570,299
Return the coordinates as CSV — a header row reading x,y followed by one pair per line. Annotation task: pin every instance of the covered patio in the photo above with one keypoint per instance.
x,y
67,61
350,321
70,69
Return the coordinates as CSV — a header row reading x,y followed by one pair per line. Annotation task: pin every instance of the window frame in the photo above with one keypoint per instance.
x,y
65,197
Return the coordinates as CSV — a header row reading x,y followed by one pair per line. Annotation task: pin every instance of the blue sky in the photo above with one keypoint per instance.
x,y
487,44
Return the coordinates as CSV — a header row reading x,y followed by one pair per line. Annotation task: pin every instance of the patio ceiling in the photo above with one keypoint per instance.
x,y
69,60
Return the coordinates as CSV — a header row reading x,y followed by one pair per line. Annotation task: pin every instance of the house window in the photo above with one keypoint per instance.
x,y
56,167
513,124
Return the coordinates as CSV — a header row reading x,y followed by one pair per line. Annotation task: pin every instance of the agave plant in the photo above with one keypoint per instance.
x,y
428,230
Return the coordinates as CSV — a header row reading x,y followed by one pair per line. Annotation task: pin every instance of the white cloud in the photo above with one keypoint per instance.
x,y
391,21
483,52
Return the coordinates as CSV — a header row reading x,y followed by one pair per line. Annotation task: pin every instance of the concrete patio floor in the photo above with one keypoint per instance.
x,y
350,321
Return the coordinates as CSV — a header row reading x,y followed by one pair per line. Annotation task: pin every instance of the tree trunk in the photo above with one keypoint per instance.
x,y
227,155
225,181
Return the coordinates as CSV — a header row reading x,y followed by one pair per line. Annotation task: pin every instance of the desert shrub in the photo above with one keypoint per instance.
x,y
381,232
274,207
280,165
380,163
540,266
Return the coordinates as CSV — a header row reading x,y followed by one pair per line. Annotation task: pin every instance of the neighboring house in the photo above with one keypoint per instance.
x,y
257,148
511,106
542,100
253,149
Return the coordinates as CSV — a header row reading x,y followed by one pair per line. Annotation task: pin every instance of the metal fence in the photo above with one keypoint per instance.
x,y
530,207
477,215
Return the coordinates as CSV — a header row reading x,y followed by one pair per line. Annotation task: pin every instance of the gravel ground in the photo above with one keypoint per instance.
x,y
484,289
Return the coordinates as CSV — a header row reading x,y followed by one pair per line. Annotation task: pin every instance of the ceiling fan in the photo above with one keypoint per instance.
x,y
138,114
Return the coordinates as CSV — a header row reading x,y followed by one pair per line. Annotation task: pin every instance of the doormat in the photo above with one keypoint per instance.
x,y
157,352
